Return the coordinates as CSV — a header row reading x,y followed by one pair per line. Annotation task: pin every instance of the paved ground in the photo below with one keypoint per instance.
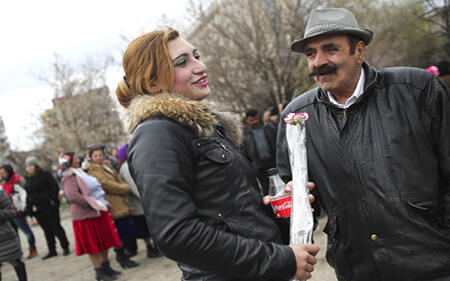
x,y
79,268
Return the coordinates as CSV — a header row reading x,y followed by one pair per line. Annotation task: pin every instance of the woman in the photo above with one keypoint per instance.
x,y
115,193
43,203
10,250
19,220
199,192
93,228
138,212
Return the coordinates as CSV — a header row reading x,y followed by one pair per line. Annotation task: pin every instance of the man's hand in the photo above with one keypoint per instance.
x,y
305,258
288,190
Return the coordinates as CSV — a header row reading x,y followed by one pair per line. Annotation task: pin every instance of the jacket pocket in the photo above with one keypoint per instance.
x,y
335,254
429,215
429,212
214,150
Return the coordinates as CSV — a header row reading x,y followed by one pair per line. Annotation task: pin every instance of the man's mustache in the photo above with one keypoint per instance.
x,y
325,69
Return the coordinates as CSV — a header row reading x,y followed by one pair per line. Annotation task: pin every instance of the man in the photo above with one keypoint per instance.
x,y
271,128
257,147
378,143
444,72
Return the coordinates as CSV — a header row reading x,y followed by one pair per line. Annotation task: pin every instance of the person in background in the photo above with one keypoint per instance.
x,y
93,226
43,203
266,116
10,250
257,146
116,191
19,221
138,212
271,128
112,158
198,189
444,72
378,143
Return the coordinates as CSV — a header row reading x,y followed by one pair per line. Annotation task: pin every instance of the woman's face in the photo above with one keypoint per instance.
x,y
75,162
189,71
30,169
97,157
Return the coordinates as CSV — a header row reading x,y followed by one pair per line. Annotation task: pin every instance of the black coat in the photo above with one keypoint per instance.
x,y
42,192
250,149
382,173
200,194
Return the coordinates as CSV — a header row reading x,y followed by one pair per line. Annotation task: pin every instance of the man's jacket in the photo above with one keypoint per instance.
x,y
382,173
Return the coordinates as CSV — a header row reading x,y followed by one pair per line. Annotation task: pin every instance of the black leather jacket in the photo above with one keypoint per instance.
x,y
382,173
199,193
42,192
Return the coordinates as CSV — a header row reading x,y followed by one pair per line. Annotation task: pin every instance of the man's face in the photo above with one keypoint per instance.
x,y
98,157
3,174
252,120
333,67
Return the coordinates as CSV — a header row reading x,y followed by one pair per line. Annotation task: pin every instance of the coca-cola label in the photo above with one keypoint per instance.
x,y
282,207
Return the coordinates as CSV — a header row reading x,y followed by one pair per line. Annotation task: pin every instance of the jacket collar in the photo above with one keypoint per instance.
x,y
371,75
202,118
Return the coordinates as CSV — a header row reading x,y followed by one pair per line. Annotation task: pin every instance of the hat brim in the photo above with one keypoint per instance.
x,y
365,34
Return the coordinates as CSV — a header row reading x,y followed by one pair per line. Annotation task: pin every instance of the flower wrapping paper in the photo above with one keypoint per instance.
x,y
302,221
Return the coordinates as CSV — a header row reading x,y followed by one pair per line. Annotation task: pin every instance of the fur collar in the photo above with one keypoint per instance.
x,y
198,116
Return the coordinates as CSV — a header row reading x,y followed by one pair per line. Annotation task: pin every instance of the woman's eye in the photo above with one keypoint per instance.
x,y
197,57
180,63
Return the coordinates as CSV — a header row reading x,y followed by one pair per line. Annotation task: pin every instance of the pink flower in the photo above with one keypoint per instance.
x,y
433,69
296,118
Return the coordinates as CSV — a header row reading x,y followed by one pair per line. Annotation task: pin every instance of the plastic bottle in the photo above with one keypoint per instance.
x,y
281,203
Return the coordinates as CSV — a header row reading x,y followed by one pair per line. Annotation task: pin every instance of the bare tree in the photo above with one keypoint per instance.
x,y
437,14
247,43
83,111
247,49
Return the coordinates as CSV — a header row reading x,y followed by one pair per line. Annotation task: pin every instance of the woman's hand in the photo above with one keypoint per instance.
x,y
305,259
288,190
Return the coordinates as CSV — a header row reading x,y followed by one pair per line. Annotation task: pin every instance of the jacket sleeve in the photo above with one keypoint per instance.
x,y
72,191
125,175
110,186
6,208
436,108
162,163
53,186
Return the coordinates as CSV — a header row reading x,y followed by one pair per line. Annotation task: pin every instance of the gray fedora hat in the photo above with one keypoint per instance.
x,y
331,21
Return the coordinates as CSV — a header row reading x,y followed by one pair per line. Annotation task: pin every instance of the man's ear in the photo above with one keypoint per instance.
x,y
361,52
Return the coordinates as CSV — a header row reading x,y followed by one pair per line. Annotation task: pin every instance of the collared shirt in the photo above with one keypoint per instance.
x,y
356,94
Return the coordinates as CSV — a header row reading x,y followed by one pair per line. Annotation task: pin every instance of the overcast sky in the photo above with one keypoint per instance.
x,y
33,31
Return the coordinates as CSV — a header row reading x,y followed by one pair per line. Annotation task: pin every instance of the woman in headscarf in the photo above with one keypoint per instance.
x,y
115,193
43,203
93,227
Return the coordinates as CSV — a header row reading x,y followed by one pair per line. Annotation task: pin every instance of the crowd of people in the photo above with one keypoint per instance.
x,y
191,180
105,210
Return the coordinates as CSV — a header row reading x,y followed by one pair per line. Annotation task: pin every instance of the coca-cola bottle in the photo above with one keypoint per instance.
x,y
281,203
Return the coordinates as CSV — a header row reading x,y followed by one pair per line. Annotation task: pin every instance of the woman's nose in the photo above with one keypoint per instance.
x,y
199,67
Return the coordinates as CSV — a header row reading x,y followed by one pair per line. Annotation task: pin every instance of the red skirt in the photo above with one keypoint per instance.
x,y
95,235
